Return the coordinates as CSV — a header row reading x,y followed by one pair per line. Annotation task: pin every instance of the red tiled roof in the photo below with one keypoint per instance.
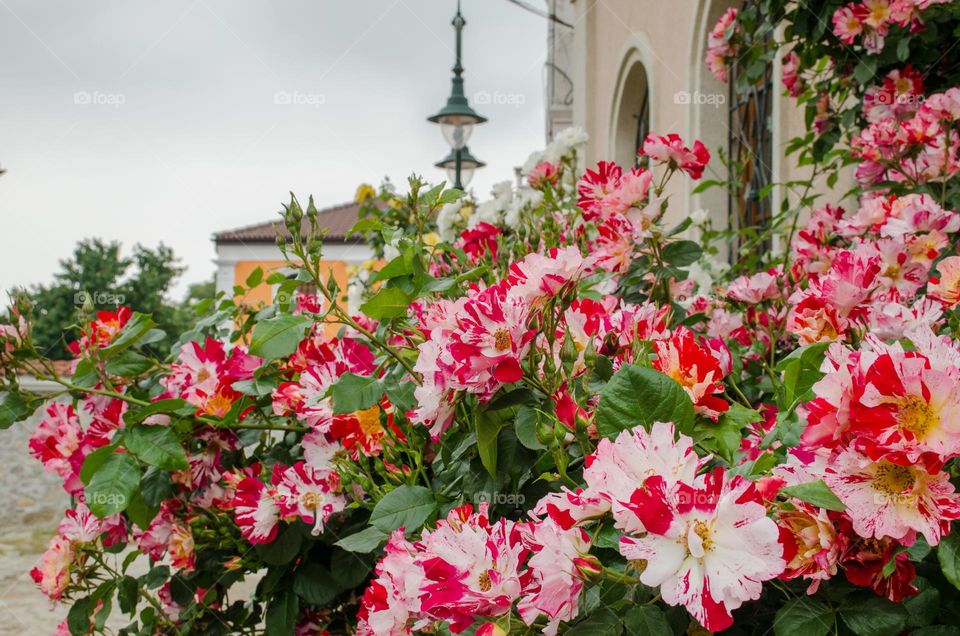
x,y
337,219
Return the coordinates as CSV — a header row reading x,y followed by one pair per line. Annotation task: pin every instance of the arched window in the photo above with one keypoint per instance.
x,y
643,125
750,148
632,123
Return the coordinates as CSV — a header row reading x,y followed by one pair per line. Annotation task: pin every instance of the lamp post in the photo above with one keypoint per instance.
x,y
457,120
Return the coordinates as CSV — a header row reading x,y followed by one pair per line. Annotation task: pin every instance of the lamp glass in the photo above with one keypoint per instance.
x,y
466,173
456,130
467,168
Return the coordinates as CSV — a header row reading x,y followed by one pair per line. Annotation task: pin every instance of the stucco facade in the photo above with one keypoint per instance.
x,y
622,50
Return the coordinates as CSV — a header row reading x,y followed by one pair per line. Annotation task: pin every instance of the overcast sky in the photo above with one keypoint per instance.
x,y
151,122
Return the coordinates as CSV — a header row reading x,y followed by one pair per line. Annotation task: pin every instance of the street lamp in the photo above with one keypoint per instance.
x,y
457,120
459,165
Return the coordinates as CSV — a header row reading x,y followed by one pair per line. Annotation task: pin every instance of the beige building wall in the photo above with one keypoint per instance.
x,y
620,45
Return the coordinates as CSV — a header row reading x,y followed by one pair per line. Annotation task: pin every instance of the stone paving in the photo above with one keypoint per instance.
x,y
31,503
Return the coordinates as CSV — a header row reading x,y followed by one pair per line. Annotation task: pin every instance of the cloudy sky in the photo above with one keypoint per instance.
x,y
149,122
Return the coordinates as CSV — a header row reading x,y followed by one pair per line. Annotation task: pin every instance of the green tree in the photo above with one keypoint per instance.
x,y
97,274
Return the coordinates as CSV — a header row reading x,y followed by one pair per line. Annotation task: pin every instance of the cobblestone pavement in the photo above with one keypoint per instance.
x,y
31,503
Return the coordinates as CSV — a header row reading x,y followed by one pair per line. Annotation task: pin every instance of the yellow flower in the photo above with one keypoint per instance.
x,y
395,203
431,239
365,192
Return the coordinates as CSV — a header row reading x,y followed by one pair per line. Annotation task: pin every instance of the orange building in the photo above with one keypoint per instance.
x,y
242,250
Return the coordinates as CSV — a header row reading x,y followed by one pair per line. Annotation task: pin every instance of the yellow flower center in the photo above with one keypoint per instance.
x,y
484,581
917,416
702,530
502,340
369,421
310,500
879,13
893,479
219,405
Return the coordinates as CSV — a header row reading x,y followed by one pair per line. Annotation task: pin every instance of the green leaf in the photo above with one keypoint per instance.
x,y
365,225
801,370
389,302
437,285
936,630
948,554
488,429
450,195
816,493
363,542
348,570
255,386
525,427
924,606
13,408
140,512
874,616
313,583
608,537
155,486
646,620
865,70
510,398
284,548
128,364
112,485
903,49
806,616
170,405
255,277
406,506
601,622
85,374
399,266
137,327
724,437
78,618
157,446
741,415
401,396
279,336
128,593
157,576
356,393
281,615
638,395
682,253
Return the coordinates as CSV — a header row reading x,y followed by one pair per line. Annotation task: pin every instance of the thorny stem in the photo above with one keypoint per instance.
x,y
142,590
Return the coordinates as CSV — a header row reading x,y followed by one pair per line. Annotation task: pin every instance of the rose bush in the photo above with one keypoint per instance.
x,y
531,418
